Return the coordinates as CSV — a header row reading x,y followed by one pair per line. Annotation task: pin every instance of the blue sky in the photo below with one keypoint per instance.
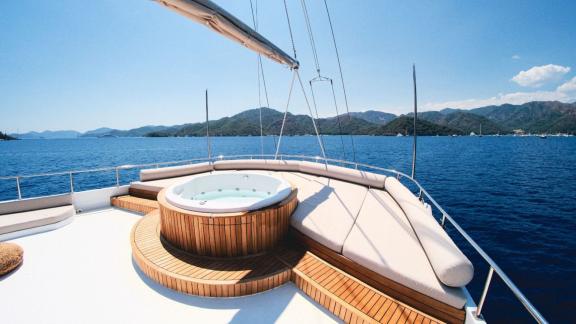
x,y
68,64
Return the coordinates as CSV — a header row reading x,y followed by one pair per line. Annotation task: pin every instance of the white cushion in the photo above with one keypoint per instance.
x,y
17,206
174,171
307,184
326,213
383,241
259,164
346,174
24,220
451,266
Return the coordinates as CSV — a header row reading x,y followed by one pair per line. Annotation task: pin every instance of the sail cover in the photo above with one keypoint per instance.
x,y
214,17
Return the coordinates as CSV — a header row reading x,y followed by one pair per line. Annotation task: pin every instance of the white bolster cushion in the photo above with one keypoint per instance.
x,y
259,164
346,174
174,171
450,265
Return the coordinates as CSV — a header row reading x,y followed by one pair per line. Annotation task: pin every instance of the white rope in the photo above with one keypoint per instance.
x,y
285,114
312,116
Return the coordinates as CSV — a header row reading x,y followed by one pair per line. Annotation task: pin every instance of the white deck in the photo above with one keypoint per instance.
x,y
62,281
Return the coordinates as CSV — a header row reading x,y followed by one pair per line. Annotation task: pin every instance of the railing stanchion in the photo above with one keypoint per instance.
x,y
71,175
484,292
117,177
18,188
443,219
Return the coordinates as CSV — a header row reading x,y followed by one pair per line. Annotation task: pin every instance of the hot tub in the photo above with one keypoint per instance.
x,y
228,192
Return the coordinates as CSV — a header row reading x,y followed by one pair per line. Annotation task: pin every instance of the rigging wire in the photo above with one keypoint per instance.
x,y
255,22
311,36
340,130
312,117
341,75
321,78
290,29
285,114
261,79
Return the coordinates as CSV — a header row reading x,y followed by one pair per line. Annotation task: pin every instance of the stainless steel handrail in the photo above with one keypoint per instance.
x,y
494,268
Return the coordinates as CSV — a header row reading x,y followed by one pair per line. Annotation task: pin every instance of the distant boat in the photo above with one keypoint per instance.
x,y
399,135
543,136
472,134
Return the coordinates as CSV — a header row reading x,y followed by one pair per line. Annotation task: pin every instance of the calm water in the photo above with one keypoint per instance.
x,y
516,196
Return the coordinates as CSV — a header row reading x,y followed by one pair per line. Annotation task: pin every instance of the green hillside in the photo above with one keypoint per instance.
x,y
405,125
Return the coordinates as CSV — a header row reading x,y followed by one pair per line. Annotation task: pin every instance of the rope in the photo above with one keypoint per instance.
x,y
285,114
290,29
341,75
312,117
254,13
311,36
338,119
261,79
315,108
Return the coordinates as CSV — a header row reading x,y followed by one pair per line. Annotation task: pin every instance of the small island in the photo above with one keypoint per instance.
x,y
6,137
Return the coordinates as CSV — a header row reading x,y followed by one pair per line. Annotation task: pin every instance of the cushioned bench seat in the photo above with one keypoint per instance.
x,y
382,239
327,208
23,214
20,221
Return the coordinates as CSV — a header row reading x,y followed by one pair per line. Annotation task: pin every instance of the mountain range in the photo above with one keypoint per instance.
x,y
532,117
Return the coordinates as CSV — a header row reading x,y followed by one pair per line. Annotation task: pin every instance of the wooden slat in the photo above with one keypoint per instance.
x,y
135,204
191,274
389,287
345,296
215,235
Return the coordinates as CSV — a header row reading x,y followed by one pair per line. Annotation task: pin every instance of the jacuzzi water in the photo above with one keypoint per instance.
x,y
228,192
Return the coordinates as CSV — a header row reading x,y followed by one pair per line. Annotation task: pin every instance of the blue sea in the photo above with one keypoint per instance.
x,y
516,196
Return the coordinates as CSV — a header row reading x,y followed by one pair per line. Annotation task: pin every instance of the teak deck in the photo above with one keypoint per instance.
x,y
345,296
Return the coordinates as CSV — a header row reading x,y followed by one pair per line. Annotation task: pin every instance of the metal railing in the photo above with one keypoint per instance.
x,y
423,194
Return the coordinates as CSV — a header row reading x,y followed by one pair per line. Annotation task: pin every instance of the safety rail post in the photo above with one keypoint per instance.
x,y
484,292
117,177
18,188
71,175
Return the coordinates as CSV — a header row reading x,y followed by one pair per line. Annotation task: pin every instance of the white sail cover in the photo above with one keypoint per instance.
x,y
214,17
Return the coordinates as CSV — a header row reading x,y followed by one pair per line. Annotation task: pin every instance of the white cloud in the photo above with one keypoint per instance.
x,y
568,87
540,75
515,57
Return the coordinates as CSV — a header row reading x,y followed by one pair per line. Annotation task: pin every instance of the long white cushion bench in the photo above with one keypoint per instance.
x,y
23,214
341,173
330,171
259,164
174,171
382,240
451,266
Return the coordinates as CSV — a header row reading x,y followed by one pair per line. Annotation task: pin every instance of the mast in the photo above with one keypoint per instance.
x,y
415,117
208,130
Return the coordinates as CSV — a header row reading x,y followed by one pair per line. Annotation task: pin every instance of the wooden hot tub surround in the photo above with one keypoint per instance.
x,y
227,234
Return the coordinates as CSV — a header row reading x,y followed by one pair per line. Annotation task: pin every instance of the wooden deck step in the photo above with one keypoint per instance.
x,y
135,204
213,277
345,296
